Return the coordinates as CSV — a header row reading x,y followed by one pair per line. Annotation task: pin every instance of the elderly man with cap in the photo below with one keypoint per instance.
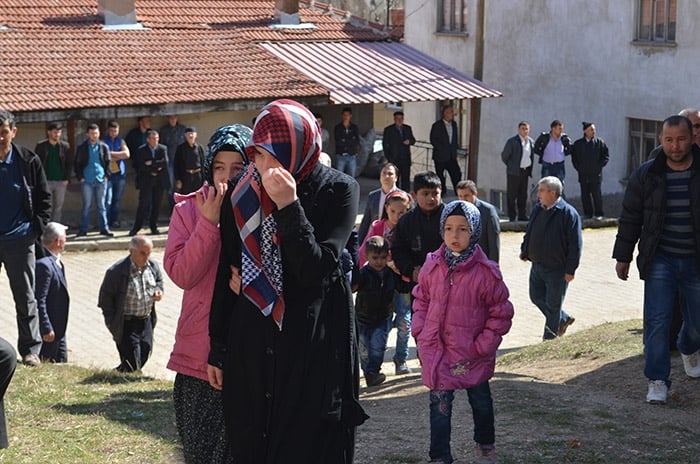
x,y
589,154
189,158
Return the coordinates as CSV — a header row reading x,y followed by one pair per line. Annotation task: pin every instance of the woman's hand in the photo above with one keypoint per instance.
x,y
280,186
235,282
216,377
211,207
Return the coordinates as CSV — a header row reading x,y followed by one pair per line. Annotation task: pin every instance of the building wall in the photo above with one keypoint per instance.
x,y
572,61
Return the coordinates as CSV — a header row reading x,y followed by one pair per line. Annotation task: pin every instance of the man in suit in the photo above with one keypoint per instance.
x,y
396,142
444,136
375,199
152,179
92,170
51,293
490,240
57,160
517,156
128,296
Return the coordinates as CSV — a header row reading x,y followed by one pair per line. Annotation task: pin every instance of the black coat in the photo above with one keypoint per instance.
x,y
444,149
644,211
512,154
392,143
589,158
64,154
292,395
36,194
82,157
155,173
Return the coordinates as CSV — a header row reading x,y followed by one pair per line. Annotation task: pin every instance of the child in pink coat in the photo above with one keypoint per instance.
x,y
460,314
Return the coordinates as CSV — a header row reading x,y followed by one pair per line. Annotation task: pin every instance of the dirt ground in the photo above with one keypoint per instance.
x,y
581,407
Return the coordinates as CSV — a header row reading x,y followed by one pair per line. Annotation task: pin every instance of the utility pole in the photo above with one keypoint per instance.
x,y
475,126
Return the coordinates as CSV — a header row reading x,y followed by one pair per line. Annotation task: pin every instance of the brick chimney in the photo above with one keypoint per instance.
x,y
286,12
118,13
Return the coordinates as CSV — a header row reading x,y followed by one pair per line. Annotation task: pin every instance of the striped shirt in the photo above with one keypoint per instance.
x,y
677,234
139,293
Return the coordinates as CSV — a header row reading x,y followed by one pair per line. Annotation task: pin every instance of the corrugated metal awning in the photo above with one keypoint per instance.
x,y
376,72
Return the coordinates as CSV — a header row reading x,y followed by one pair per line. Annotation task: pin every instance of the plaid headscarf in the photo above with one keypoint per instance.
x,y
289,132
234,137
471,212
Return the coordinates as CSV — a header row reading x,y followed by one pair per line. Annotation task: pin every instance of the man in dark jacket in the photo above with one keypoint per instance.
x,y
151,161
517,156
589,155
92,170
396,143
552,243
552,148
128,296
57,161
661,211
444,136
26,207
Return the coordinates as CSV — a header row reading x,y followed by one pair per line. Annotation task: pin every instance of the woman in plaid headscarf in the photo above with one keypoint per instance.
x,y
283,340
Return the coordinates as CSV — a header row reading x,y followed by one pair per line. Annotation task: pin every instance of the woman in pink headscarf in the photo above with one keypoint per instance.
x,y
282,324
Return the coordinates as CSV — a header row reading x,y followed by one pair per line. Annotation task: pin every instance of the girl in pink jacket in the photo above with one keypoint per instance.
x,y
191,258
460,314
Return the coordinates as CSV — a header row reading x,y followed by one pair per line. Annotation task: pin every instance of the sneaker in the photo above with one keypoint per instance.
x,y
565,325
691,364
401,368
31,360
485,454
374,378
658,392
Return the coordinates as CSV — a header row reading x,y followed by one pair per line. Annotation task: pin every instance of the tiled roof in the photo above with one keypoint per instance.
x,y
58,56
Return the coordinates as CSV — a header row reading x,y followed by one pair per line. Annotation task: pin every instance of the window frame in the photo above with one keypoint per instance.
x,y
638,139
452,28
647,33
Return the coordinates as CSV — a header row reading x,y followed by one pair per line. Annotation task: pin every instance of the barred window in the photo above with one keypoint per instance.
x,y
452,16
644,137
657,21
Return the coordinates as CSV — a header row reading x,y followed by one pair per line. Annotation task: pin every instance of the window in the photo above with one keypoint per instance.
x,y
657,21
644,137
452,16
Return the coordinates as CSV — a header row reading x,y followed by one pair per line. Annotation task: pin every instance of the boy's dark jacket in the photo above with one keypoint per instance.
x,y
375,295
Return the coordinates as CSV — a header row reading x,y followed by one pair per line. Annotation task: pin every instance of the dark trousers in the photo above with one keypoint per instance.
x,y
453,170
136,344
547,291
55,351
149,200
403,163
8,362
441,420
517,195
19,260
591,198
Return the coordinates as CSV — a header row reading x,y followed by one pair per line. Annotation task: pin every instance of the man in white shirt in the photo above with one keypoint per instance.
x,y
517,156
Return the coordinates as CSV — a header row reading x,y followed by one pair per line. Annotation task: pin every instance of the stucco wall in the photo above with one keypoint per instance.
x,y
572,61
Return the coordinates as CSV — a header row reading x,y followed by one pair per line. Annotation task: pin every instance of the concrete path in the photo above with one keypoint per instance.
x,y
595,296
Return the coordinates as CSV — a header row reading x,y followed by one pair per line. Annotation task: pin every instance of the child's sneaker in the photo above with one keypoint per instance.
x,y
374,378
658,391
485,454
691,364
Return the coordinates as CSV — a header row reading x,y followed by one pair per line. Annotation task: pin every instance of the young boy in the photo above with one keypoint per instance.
x,y
374,307
489,242
418,231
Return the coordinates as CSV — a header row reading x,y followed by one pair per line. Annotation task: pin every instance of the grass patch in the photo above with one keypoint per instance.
x,y
67,414
609,341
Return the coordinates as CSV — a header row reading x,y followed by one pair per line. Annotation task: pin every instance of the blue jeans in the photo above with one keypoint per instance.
x,y
373,345
554,169
402,323
547,291
441,420
113,198
346,164
668,275
93,191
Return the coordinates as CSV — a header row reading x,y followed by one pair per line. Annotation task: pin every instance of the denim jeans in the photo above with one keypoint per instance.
x,y
402,322
554,169
93,192
113,198
668,275
346,164
441,420
547,291
373,345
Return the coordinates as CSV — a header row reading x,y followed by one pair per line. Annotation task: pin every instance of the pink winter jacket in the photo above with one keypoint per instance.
x,y
191,258
459,320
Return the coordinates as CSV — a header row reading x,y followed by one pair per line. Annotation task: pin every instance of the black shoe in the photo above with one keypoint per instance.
x,y
524,219
374,378
81,233
115,225
133,232
155,231
565,325
31,360
107,233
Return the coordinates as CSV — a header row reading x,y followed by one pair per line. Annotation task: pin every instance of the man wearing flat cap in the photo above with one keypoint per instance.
x,y
589,155
189,158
